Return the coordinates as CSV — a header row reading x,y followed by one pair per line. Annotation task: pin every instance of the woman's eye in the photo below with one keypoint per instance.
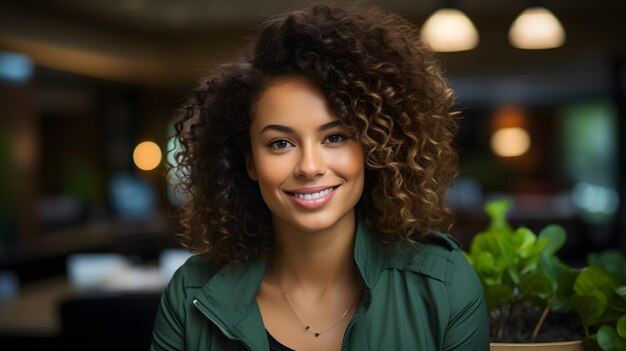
x,y
336,138
279,144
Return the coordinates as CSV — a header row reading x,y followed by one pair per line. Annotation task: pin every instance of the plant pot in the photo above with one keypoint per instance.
x,y
547,346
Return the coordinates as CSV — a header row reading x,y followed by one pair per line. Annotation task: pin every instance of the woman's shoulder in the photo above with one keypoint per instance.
x,y
194,273
439,257
441,261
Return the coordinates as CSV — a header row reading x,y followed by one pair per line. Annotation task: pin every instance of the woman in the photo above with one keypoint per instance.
x,y
316,168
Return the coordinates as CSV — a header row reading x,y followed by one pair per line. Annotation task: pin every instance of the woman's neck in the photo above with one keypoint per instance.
x,y
316,263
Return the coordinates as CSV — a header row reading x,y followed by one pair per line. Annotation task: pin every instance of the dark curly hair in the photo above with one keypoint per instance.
x,y
378,78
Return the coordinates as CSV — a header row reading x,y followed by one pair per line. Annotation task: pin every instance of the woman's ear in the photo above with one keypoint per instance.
x,y
251,169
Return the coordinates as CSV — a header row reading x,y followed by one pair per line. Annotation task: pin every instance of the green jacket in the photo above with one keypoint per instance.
x,y
427,301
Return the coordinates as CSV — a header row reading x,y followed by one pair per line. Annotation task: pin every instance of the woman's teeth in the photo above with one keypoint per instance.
x,y
314,195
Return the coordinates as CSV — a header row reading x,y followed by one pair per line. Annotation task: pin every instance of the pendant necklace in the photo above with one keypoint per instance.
x,y
307,327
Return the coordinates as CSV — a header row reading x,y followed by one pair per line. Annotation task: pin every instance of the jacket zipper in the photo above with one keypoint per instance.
x,y
219,326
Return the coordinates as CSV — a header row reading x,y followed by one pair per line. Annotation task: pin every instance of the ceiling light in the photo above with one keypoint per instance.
x,y
510,142
536,28
449,29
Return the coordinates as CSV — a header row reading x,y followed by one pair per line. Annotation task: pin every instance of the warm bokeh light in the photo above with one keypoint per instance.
x,y
536,28
147,155
449,30
510,142
506,116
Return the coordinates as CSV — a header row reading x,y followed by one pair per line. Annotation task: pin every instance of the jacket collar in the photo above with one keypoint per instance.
x,y
370,256
229,297
229,301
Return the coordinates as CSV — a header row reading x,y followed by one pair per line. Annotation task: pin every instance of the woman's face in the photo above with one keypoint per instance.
x,y
310,172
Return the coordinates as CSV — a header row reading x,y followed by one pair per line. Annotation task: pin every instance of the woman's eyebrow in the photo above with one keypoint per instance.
x,y
277,127
330,125
286,129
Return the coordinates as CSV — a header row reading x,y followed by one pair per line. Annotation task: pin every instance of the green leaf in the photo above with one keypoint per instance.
x,y
484,262
591,279
620,344
523,241
606,338
529,264
554,235
590,307
611,261
497,210
496,295
514,275
484,242
621,326
564,289
488,268
566,280
538,285
529,250
553,266
621,291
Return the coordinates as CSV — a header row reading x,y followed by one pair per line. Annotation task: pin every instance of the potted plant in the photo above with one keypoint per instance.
x,y
537,301
599,297
524,283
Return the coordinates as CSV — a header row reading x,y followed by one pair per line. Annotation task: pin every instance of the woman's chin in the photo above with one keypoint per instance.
x,y
318,222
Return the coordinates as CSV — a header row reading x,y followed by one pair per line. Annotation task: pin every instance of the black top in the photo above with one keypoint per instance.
x,y
275,345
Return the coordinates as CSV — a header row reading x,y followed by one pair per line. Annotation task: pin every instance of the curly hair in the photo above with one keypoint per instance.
x,y
378,78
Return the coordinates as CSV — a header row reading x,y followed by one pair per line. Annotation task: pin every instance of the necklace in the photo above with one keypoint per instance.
x,y
307,327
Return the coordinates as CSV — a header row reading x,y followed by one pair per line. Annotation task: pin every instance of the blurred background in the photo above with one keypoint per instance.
x,y
88,88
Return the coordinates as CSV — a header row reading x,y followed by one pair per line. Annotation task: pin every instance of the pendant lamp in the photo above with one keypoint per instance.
x,y
536,28
449,29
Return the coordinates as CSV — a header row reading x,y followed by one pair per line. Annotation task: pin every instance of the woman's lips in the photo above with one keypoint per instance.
x,y
313,203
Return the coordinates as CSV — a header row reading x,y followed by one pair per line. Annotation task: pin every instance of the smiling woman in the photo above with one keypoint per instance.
x,y
316,167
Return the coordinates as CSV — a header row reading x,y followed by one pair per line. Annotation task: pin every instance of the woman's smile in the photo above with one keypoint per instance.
x,y
312,200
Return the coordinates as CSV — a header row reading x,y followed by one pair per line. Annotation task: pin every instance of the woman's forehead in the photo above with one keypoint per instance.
x,y
291,100
290,90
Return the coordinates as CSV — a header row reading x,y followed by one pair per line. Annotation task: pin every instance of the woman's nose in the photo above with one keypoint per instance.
x,y
311,163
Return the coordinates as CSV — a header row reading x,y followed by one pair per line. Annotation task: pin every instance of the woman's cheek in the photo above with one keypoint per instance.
x,y
272,167
351,159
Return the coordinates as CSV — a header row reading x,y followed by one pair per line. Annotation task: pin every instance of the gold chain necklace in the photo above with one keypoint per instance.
x,y
307,327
